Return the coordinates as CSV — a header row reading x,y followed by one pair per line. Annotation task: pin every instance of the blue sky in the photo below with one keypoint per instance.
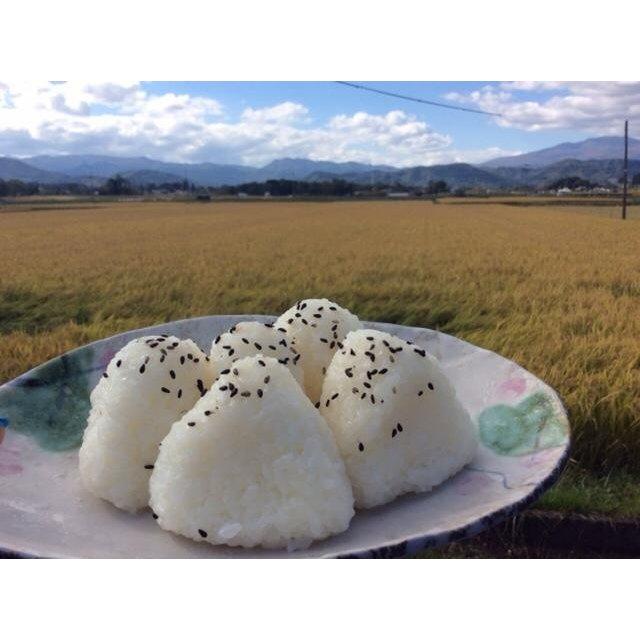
x,y
326,99
255,122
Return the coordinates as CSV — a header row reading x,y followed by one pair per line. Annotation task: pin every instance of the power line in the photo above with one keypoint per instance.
x,y
412,99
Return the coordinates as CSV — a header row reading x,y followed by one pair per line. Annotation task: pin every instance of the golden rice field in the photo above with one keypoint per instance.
x,y
555,288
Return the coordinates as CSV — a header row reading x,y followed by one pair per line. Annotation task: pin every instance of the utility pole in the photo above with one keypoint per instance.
x,y
625,172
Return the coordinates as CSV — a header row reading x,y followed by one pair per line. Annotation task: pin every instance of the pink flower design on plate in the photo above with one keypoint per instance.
x,y
9,462
513,387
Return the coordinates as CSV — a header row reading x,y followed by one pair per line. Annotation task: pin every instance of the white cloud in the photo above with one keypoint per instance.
x,y
122,118
594,107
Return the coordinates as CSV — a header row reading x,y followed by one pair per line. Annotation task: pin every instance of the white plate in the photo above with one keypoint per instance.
x,y
46,512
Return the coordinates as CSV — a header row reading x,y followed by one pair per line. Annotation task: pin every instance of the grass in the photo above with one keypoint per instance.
x,y
556,289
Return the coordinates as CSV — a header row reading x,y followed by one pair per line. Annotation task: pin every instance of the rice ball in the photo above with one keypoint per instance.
x,y
396,418
253,338
147,386
316,328
253,463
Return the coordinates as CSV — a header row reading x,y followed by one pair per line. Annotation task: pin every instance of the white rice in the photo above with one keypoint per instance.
x,y
316,327
253,463
148,385
398,423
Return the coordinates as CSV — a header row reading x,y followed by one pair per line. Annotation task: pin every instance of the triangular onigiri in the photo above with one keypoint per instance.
x,y
397,421
253,463
147,386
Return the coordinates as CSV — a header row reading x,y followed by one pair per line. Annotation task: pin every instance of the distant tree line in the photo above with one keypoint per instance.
x,y
572,182
118,185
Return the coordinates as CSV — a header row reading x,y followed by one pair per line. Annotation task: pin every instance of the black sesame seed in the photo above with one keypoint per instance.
x,y
430,385
216,340
202,532
269,326
298,315
317,315
333,344
153,345
320,308
420,352
225,371
165,390
324,340
172,373
369,337
154,516
245,394
353,353
382,371
233,393
245,341
179,393
326,404
223,387
181,359
235,372
360,446
399,427
394,433
290,320
295,360
366,384
272,347
148,466
257,346
262,363
190,356
420,392
373,399
118,363
304,321
363,396
226,346
191,424
317,405
355,390
333,308
231,351
266,380
349,372
282,329
207,412
259,392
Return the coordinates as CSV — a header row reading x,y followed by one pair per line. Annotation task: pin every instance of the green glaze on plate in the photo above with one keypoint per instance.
x,y
51,403
529,426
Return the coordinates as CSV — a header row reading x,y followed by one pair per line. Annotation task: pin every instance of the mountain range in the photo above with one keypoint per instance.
x,y
595,159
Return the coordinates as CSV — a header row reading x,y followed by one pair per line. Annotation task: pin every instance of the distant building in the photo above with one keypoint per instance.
x,y
564,191
242,194
203,197
398,194
267,194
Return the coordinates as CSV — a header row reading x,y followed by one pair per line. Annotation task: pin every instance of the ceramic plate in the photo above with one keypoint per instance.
x,y
46,512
